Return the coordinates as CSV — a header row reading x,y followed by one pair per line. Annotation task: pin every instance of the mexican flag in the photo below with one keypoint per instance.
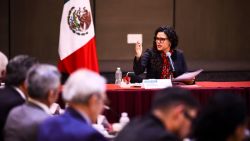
x,y
77,47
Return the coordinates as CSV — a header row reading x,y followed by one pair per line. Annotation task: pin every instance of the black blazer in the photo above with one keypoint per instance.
x,y
152,61
148,128
9,98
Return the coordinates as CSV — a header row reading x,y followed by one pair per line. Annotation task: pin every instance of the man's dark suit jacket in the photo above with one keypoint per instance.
x,y
9,98
71,126
148,128
152,61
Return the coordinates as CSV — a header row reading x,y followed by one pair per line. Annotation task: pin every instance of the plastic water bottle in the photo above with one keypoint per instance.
x,y
124,119
118,76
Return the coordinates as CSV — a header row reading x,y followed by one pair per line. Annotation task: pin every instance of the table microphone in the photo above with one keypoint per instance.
x,y
106,107
170,61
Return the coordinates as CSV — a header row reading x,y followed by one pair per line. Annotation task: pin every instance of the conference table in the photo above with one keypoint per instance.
x,y
137,101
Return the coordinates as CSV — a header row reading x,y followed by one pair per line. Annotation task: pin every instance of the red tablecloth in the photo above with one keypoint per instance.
x,y
137,101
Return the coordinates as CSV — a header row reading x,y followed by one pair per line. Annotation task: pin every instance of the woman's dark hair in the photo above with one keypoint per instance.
x,y
220,118
171,35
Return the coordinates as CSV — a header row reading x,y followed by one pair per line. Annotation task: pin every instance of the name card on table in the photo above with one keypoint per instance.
x,y
156,83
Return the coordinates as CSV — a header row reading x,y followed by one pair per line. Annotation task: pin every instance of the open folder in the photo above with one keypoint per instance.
x,y
188,76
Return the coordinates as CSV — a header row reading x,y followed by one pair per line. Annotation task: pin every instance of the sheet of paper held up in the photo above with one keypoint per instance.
x,y
134,38
188,75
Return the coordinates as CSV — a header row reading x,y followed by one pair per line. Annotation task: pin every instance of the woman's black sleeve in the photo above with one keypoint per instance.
x,y
140,64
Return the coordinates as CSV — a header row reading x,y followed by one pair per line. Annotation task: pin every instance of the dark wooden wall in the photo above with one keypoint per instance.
x,y
116,18
214,34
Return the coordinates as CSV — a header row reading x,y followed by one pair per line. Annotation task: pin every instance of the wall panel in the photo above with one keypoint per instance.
x,y
116,18
214,34
4,27
35,28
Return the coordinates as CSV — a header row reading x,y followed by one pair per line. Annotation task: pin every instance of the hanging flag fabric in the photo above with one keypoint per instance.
x,y
77,47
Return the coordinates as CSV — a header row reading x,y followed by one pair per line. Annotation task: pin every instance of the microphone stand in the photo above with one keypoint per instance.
x,y
171,66
171,74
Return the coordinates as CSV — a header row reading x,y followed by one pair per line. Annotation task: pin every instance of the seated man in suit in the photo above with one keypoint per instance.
x,y
223,119
173,110
84,91
43,83
14,93
3,64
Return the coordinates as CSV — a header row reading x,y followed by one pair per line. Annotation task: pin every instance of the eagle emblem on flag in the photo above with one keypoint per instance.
x,y
79,20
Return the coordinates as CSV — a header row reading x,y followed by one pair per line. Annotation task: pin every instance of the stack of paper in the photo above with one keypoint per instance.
x,y
188,76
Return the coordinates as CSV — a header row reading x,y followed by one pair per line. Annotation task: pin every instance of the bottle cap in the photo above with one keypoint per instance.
x,y
124,114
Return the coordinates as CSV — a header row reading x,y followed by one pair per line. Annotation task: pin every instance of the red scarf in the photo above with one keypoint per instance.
x,y
165,74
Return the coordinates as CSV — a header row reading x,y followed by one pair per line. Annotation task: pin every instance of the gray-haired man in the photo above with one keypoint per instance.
x,y
43,82
85,94
3,64
14,92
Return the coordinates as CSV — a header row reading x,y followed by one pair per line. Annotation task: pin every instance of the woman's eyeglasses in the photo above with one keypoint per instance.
x,y
161,40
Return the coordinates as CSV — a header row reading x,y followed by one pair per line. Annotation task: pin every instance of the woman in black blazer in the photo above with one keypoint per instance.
x,y
155,61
